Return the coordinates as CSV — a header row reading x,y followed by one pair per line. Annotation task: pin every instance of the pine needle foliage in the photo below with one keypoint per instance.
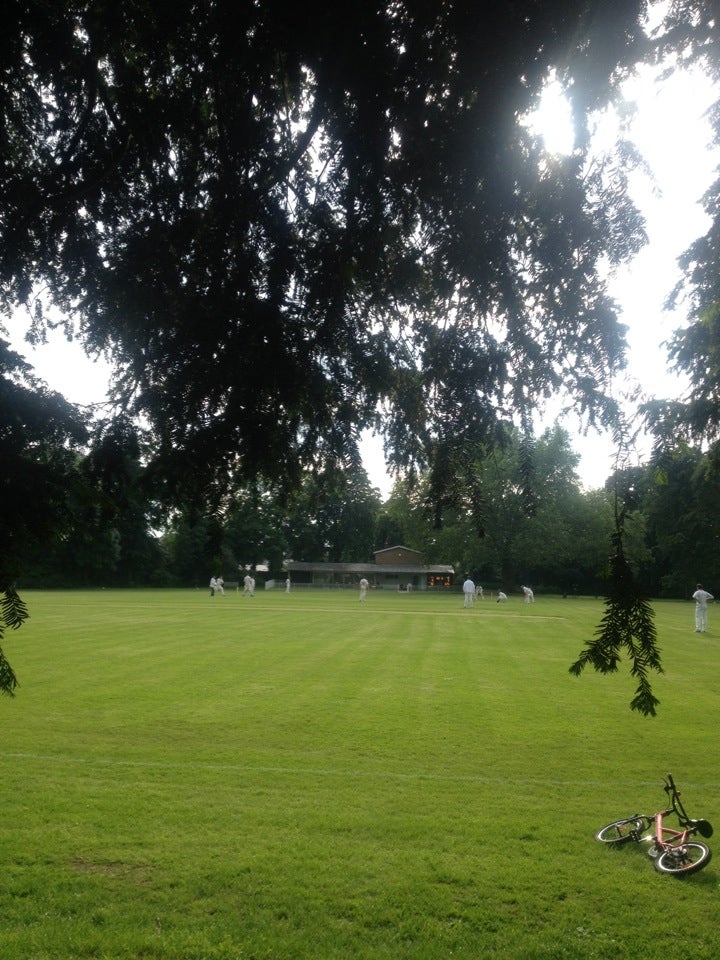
x,y
13,613
628,625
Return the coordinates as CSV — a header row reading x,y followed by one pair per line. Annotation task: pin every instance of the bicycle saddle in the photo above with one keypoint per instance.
x,y
703,827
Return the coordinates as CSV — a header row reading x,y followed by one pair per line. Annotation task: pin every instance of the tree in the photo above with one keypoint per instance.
x,y
675,496
524,491
694,350
40,437
255,528
115,468
333,517
527,501
192,547
582,565
277,218
518,513
107,536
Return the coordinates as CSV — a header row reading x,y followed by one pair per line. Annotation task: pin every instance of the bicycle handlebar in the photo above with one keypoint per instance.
x,y
677,804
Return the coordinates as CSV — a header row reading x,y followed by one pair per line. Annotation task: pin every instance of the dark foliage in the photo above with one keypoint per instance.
x,y
276,218
627,626
39,436
693,26
13,613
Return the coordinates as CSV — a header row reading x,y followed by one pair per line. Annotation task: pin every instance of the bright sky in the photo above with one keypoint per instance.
x,y
671,131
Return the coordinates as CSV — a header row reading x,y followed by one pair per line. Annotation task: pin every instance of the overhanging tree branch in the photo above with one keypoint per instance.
x,y
628,625
13,613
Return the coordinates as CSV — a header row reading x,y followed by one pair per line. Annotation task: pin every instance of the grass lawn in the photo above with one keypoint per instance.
x,y
307,777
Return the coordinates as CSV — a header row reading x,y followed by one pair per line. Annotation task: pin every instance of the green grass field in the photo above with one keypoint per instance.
x,y
306,777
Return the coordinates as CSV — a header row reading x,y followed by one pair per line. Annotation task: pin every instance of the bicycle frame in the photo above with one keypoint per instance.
x,y
665,837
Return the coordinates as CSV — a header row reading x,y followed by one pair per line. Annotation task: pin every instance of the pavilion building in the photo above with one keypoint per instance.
x,y
394,568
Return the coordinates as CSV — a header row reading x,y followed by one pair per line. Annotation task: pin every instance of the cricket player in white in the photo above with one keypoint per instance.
x,y
701,598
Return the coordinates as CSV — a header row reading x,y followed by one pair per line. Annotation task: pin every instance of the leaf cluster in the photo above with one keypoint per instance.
x,y
627,626
13,614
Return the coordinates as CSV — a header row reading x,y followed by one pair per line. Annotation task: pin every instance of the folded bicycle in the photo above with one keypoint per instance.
x,y
673,851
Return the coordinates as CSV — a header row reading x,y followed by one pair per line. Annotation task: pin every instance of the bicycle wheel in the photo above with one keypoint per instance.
x,y
682,860
621,831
